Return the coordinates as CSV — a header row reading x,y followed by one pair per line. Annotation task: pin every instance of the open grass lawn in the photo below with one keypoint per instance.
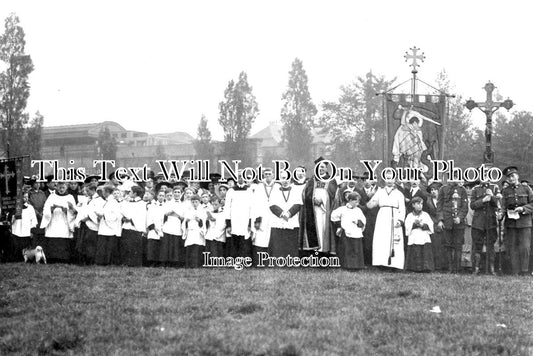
x,y
76,310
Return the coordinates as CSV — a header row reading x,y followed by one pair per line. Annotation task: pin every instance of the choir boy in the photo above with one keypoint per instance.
x,y
172,251
216,234
109,229
418,228
155,218
133,228
349,222
237,208
59,213
21,229
195,221
285,204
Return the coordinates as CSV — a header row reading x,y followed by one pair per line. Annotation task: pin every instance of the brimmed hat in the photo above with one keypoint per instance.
x,y
91,177
319,159
158,185
509,170
181,184
433,185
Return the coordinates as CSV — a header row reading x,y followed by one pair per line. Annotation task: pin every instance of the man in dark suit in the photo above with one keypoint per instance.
x,y
367,191
414,191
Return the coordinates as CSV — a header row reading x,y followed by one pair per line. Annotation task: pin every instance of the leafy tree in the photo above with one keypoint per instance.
x,y
463,142
297,115
202,145
237,113
14,86
107,145
355,121
33,136
512,142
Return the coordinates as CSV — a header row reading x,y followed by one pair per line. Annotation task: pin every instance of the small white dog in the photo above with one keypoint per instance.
x,y
36,254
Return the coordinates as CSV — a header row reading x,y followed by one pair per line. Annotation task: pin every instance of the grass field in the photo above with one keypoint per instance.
x,y
67,309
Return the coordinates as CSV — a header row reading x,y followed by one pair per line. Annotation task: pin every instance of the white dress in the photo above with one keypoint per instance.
x,y
391,210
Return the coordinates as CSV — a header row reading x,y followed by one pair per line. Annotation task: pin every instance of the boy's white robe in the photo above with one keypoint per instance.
x,y
261,209
57,223
238,208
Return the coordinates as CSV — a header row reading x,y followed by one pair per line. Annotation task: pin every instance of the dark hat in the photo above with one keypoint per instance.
x,y
417,199
214,177
26,180
347,190
353,196
158,185
319,159
32,180
435,185
91,177
472,184
509,170
181,184
118,176
49,178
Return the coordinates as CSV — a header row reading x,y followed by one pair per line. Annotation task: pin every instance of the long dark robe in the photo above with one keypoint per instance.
x,y
308,237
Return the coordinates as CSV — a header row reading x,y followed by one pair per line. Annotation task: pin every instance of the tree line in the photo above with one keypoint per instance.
x,y
353,123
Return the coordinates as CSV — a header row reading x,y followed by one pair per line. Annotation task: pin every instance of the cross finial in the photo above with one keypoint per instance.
x,y
414,57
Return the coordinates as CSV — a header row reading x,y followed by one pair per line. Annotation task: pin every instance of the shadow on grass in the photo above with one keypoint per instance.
x,y
247,308
62,342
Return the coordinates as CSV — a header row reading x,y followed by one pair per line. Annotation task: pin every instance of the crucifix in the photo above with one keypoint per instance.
x,y
414,57
7,175
489,107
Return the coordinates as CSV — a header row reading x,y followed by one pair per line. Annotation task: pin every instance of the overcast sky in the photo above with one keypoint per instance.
x,y
157,66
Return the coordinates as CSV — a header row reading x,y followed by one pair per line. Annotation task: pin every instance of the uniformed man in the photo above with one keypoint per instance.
x,y
484,202
517,206
452,207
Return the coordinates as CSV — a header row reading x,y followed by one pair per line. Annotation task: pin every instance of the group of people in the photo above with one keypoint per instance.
x,y
413,226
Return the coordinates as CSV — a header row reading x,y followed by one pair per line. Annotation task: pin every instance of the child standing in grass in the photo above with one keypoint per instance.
x,y
216,233
156,215
349,222
418,228
172,249
194,236
21,229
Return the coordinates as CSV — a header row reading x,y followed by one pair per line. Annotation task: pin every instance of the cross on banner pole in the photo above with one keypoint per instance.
x,y
414,57
6,177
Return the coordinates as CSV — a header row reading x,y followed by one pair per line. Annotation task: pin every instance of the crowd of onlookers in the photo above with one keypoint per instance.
x,y
417,226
